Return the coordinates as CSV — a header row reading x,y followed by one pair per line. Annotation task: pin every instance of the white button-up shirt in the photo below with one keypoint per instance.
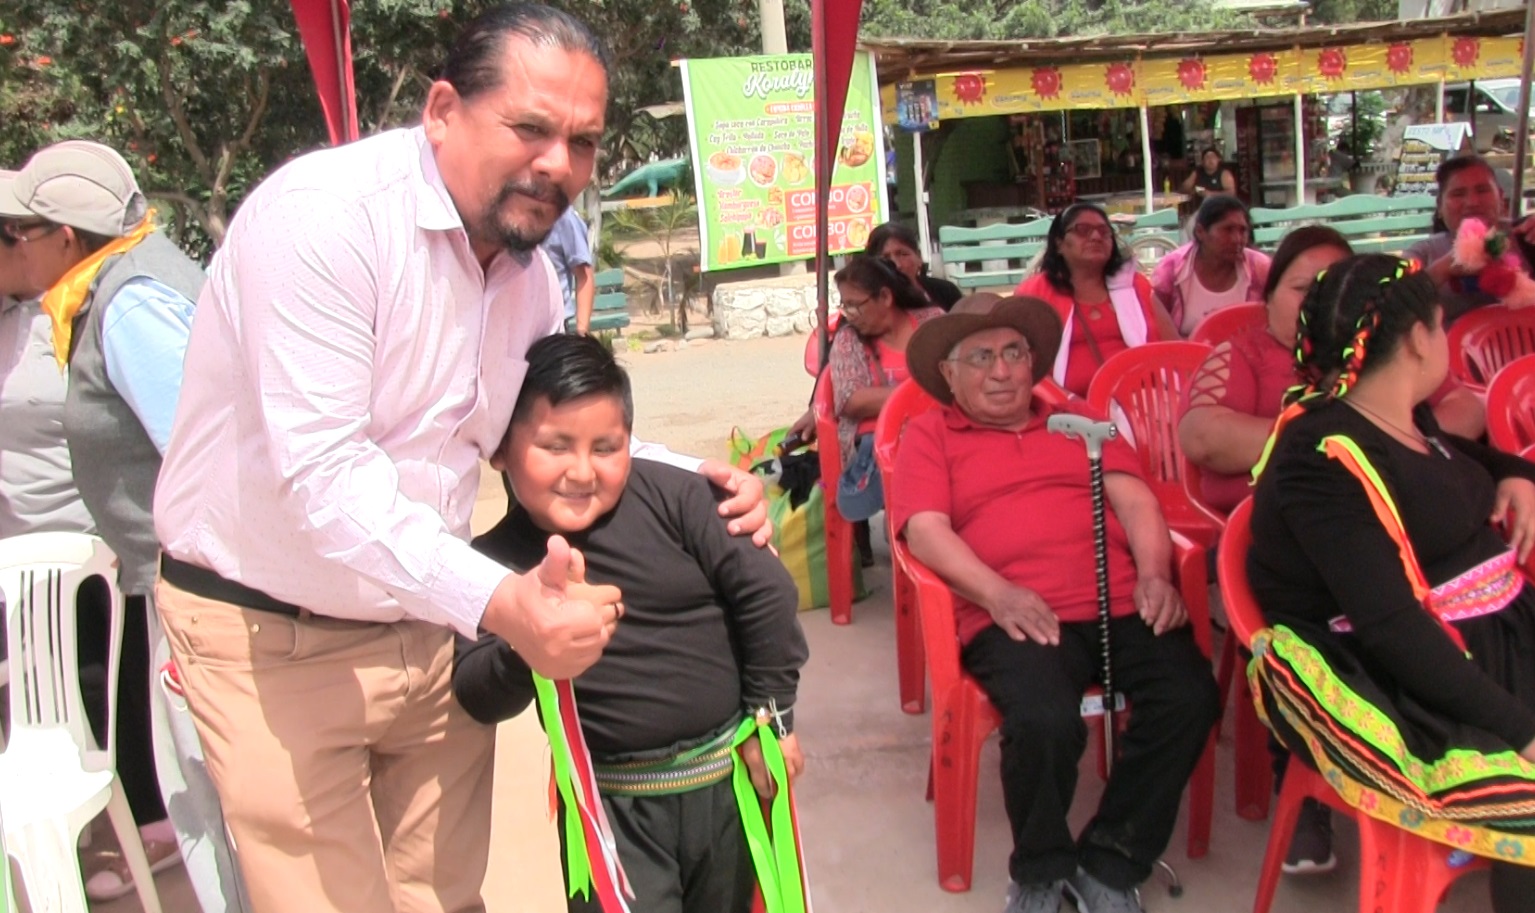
x,y
350,364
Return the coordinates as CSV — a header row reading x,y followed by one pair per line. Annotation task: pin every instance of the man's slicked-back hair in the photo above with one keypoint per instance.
x,y
474,63
565,368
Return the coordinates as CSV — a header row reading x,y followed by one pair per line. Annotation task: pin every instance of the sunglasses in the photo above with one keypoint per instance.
x,y
29,230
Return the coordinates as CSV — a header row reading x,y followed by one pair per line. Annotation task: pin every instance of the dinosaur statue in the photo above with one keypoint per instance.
x,y
670,173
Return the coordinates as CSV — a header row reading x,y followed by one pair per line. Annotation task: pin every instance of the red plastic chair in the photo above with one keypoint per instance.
x,y
1219,326
1147,384
1484,340
963,717
839,532
1399,872
907,401
1511,406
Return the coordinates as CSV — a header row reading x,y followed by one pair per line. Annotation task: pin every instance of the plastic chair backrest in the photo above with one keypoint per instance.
x,y
41,575
1484,340
907,401
813,343
1147,385
1219,326
1511,406
1242,610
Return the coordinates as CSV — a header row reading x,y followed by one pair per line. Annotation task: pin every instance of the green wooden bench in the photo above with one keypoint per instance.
x,y
1372,224
995,256
611,309
1001,256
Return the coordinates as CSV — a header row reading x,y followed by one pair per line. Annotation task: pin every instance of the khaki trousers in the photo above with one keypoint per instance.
x,y
351,779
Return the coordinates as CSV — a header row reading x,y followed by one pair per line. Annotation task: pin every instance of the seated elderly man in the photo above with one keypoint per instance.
x,y
1001,509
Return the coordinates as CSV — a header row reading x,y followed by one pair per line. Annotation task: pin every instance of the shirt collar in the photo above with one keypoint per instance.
x,y
957,420
435,210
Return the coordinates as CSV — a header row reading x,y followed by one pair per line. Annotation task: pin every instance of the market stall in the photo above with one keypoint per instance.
x,y
1117,117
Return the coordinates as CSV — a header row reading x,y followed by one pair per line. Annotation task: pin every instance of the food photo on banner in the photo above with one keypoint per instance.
x,y
751,125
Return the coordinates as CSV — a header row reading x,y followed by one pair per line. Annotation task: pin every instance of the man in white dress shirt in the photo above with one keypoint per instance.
x,y
356,352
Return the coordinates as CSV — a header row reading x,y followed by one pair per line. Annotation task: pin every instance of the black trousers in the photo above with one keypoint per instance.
x,y
1038,691
135,736
684,853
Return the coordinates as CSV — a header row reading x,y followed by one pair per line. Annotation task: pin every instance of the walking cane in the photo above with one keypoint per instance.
x,y
1094,434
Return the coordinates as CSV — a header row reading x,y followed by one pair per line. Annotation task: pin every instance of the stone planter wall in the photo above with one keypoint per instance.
x,y
780,306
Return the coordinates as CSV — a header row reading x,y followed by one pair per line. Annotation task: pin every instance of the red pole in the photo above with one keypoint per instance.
x,y
824,148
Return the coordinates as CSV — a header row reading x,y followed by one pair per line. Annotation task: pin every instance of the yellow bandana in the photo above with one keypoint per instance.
x,y
62,302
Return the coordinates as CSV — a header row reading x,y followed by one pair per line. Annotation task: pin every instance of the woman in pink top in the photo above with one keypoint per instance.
x,y
880,309
1236,394
1215,270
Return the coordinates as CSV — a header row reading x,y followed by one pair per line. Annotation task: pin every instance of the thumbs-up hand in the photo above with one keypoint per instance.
x,y
556,621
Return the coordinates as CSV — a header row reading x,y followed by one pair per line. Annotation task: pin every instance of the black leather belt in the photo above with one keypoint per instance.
x,y
199,581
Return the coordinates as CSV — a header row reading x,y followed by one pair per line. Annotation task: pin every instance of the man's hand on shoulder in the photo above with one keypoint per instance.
x,y
1023,615
556,621
1159,604
745,511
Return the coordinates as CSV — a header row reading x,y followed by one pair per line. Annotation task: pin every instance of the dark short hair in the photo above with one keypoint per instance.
x,y
891,231
1217,207
1209,149
1053,263
564,368
872,274
1296,243
474,64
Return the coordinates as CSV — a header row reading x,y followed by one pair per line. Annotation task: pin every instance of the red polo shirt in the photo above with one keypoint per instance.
x,y
1022,501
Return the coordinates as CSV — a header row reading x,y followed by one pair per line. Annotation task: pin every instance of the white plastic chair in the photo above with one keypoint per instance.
x,y
53,778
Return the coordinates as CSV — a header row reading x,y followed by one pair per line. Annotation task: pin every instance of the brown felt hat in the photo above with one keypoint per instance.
x,y
931,344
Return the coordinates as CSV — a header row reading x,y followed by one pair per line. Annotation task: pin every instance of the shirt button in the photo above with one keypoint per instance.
x,y
255,629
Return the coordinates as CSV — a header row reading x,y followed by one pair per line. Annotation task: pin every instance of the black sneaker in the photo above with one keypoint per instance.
x,y
1311,844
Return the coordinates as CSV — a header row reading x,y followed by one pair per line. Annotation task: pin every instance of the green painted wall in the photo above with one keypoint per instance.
x,y
975,151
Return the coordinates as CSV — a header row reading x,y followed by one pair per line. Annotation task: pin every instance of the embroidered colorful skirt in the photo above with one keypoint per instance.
x,y
1394,759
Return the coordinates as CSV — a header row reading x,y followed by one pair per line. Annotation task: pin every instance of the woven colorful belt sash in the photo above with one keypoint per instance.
x,y
696,768
1487,588
772,839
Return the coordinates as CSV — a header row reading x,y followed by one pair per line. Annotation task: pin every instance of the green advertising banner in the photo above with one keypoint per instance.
x,y
751,122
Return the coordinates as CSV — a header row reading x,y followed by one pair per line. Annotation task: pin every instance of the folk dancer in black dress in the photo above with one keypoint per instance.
x,y
1386,560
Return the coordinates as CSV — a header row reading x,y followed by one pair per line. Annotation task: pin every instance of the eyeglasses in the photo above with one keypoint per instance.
x,y
983,359
25,231
1086,230
854,307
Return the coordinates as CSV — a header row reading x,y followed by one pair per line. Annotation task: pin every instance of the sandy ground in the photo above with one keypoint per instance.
x,y
689,399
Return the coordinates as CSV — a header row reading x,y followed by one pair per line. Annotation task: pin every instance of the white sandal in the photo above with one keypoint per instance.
x,y
115,881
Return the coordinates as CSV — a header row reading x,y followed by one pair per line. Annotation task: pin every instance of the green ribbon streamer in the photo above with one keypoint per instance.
x,y
774,854
578,866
